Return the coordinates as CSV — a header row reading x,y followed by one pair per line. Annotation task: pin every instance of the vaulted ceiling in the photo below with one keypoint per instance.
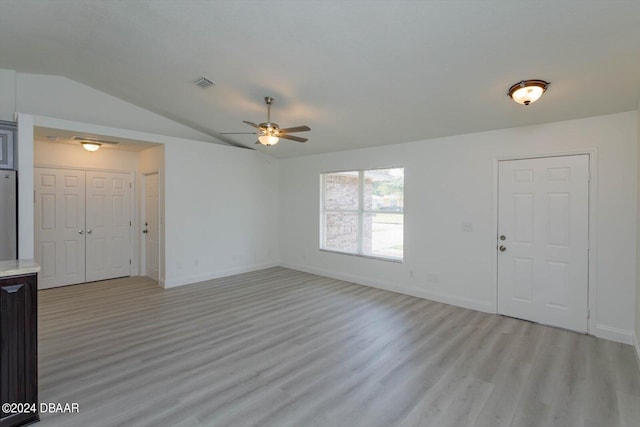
x,y
359,73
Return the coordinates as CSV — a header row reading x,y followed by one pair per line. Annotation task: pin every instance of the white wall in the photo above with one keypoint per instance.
x,y
637,328
25,187
221,211
8,98
59,97
452,180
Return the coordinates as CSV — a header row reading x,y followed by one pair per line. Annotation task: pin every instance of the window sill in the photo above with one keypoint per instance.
x,y
379,258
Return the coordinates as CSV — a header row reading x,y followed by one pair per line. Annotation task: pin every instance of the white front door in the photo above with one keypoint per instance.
x,y
108,225
543,240
60,226
151,225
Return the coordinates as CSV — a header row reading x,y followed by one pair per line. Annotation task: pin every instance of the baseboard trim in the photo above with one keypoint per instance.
x,y
182,281
614,334
420,293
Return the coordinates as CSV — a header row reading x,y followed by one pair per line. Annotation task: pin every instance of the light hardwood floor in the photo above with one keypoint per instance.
x,y
283,348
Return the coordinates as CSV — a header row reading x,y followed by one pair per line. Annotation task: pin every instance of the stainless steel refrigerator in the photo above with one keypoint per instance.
x,y
8,215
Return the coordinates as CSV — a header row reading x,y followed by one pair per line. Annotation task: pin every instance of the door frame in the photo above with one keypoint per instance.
x,y
143,213
592,220
133,270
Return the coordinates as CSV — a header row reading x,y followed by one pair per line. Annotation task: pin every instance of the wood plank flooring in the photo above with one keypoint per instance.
x,y
283,348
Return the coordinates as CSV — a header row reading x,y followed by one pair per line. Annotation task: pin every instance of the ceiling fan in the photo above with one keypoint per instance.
x,y
269,133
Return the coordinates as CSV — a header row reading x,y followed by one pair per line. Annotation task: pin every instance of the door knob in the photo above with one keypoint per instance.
x,y
89,231
80,231
502,248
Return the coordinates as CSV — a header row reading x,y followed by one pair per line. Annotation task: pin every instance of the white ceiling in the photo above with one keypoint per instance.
x,y
359,73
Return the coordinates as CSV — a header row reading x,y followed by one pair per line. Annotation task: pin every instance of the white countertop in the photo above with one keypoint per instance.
x,y
18,267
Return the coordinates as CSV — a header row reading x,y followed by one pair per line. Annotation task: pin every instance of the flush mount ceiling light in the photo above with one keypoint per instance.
x,y
90,145
527,91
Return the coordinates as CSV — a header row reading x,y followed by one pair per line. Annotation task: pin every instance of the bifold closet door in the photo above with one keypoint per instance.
x,y
60,226
108,225
82,226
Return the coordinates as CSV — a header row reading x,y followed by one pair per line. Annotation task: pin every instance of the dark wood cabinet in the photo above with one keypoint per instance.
x,y
18,347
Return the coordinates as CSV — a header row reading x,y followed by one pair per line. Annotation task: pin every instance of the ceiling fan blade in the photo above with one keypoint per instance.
x,y
251,124
293,138
238,133
296,129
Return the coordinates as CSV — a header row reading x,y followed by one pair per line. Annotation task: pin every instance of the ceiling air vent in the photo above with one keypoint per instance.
x,y
204,82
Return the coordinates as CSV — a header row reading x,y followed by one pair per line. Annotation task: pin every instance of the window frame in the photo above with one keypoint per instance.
x,y
361,212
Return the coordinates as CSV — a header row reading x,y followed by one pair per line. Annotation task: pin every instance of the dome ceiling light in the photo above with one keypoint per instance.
x,y
527,91
91,146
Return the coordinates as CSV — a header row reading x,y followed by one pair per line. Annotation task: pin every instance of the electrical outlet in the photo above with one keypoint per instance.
x,y
467,227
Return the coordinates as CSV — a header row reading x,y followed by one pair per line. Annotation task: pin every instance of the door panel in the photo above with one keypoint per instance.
x,y
543,213
59,226
152,246
108,225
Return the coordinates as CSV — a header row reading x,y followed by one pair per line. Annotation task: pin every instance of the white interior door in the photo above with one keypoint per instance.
x,y
108,226
152,225
543,214
60,226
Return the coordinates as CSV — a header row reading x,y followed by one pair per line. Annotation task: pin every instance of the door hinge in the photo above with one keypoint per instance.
x,y
130,185
129,261
129,223
588,313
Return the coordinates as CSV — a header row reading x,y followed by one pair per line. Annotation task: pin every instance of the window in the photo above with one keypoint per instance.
x,y
363,212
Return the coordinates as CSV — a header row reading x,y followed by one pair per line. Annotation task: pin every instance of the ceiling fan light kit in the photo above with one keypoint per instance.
x,y
526,92
270,133
268,140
